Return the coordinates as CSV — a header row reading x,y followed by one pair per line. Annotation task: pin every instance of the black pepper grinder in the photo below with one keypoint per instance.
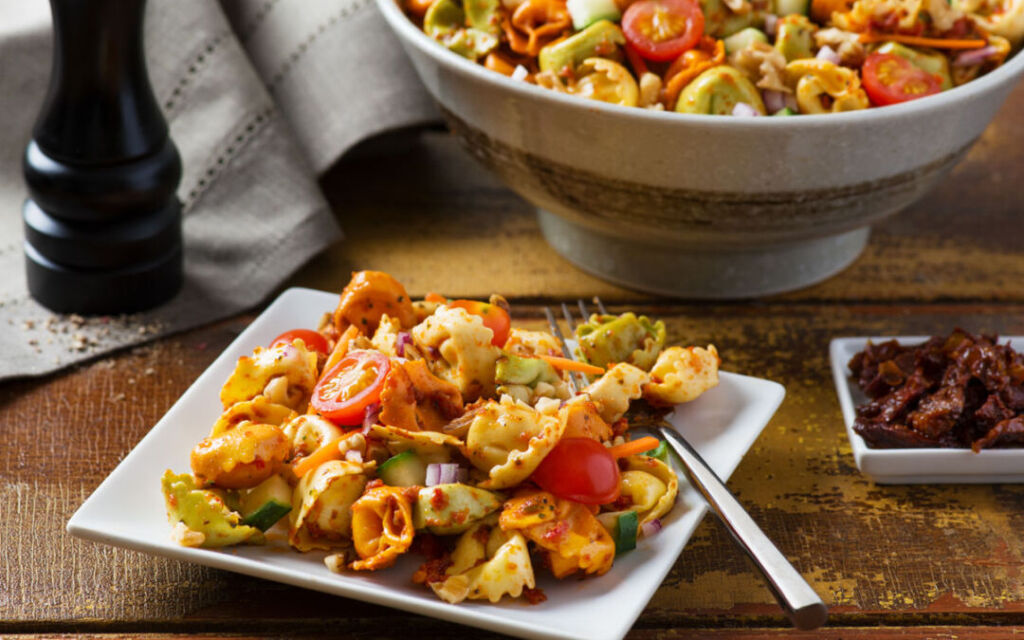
x,y
102,222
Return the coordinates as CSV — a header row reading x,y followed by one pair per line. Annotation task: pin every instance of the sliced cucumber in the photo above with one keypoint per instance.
x,y
403,470
267,503
742,39
789,7
626,528
785,111
586,12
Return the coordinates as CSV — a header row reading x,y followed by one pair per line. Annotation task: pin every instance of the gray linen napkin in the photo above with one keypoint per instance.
x,y
257,104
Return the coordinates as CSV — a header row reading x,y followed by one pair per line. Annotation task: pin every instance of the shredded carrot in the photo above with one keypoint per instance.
x,y
326,453
436,297
640,445
571,365
921,41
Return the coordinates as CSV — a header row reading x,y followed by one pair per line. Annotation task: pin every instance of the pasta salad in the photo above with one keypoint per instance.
x,y
731,57
435,427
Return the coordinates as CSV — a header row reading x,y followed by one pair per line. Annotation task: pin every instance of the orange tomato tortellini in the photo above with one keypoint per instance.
x,y
572,536
240,458
382,527
367,297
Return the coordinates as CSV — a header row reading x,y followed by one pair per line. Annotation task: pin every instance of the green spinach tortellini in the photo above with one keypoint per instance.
x,y
627,338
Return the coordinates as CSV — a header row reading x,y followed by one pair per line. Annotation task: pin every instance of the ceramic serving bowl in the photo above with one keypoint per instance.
x,y
702,206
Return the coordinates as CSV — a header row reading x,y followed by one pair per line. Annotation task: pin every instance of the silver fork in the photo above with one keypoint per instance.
x,y
798,600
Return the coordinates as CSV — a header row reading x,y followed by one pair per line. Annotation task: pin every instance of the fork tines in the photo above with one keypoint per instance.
x,y
577,380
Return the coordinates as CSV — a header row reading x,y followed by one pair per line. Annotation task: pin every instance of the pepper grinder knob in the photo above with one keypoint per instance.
x,y
102,222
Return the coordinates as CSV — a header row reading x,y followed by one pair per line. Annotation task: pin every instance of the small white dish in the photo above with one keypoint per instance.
x,y
916,466
127,509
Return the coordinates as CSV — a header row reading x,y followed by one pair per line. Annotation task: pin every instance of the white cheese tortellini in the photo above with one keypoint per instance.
x,y
508,439
532,343
325,497
259,410
613,391
430,446
680,375
309,432
999,17
286,374
487,563
651,486
386,336
458,348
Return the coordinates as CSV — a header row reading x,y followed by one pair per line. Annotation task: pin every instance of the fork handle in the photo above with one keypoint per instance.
x,y
801,604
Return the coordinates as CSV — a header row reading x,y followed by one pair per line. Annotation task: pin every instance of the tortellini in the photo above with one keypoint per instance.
x,y
242,457
413,398
825,87
286,374
430,446
607,339
309,432
385,338
651,486
458,349
368,297
1003,18
582,420
613,391
571,534
259,410
487,564
325,497
508,439
200,516
681,375
532,343
382,527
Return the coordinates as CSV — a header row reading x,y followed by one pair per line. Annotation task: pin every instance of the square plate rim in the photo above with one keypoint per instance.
x,y
959,465
770,396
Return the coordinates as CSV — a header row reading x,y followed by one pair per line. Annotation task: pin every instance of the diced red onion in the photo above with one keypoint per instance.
x,y
353,455
648,529
449,473
774,100
829,54
975,56
433,474
771,23
401,341
520,72
744,110
370,415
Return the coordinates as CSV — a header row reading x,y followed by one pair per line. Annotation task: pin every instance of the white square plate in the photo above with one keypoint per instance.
x,y
127,509
916,466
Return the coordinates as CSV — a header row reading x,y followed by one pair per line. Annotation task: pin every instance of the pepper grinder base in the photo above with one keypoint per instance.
x,y
89,292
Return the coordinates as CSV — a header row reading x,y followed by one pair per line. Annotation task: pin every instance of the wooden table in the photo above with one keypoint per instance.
x,y
891,561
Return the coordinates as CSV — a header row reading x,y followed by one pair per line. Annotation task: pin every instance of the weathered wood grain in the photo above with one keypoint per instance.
x,y
879,555
962,242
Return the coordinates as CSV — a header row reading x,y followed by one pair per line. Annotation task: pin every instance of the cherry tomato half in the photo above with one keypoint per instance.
x,y
889,79
579,469
495,318
313,340
344,392
662,30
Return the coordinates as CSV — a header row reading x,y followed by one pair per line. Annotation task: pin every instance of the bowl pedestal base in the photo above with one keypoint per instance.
x,y
682,271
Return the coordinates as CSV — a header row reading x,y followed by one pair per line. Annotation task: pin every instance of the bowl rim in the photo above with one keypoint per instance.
x,y
405,29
